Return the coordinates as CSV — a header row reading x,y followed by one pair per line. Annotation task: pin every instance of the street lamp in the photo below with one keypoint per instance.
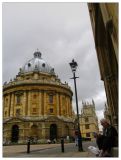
x,y
74,65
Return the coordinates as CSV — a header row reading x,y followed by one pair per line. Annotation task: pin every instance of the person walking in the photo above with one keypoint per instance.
x,y
108,140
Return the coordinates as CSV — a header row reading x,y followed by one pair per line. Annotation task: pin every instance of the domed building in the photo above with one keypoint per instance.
x,y
36,104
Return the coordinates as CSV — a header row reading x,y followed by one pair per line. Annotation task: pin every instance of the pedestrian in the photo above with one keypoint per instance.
x,y
67,138
107,140
54,140
48,141
76,141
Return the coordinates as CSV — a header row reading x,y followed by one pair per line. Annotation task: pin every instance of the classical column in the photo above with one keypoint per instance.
x,y
9,105
29,103
67,106
45,103
26,106
43,130
57,103
61,107
12,105
70,107
24,103
40,102
4,104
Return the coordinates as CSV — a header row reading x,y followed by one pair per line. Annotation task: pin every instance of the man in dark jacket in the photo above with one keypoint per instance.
x,y
108,140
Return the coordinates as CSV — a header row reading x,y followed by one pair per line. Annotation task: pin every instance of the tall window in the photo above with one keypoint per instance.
x,y
18,112
34,110
6,100
87,134
50,98
86,119
18,99
5,113
51,110
34,96
63,101
87,126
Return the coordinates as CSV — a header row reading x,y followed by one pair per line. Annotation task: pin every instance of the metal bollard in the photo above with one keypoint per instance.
x,y
28,146
62,145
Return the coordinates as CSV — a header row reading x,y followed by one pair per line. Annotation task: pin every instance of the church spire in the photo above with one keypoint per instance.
x,y
93,102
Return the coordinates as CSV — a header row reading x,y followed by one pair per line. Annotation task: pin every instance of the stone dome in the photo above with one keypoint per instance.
x,y
37,64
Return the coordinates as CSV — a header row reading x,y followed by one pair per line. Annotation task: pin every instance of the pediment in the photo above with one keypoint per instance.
x,y
52,118
13,119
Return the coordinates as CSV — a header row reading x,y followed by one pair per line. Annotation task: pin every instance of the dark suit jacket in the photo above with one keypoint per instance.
x,y
109,138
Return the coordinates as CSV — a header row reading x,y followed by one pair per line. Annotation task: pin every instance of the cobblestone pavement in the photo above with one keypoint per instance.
x,y
44,150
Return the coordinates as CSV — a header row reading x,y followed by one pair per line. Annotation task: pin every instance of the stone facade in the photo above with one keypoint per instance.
x,y
104,20
88,121
36,104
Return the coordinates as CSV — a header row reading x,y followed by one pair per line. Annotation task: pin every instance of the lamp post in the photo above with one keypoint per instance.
x,y
73,66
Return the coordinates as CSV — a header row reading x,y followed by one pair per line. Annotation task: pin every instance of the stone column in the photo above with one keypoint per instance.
x,y
66,105
3,106
9,105
24,103
44,104
70,107
60,99
29,103
40,102
43,130
57,103
12,105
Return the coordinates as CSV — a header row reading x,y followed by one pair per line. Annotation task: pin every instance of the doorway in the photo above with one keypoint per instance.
x,y
15,133
53,131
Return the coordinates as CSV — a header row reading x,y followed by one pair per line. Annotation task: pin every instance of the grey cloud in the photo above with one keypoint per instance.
x,y
61,31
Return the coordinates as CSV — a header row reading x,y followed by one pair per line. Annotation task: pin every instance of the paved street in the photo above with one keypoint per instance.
x,y
47,150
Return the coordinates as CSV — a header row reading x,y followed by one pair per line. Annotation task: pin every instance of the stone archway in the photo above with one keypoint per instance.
x,y
15,133
53,131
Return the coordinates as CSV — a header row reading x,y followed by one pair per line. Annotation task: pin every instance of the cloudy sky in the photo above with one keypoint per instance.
x,y
61,32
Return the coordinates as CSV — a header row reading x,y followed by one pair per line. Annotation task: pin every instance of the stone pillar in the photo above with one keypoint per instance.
x,y
67,106
43,130
45,103
61,109
62,129
9,105
4,106
70,107
24,103
42,102
12,105
39,102
57,103
29,103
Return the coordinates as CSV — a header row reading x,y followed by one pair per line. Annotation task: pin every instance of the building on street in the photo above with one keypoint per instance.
x,y
36,104
88,120
104,20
